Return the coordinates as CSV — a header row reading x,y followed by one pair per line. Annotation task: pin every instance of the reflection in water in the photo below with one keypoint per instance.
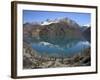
x,y
61,45
68,48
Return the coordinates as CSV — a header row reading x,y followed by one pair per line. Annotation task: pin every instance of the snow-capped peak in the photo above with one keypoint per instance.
x,y
87,25
46,23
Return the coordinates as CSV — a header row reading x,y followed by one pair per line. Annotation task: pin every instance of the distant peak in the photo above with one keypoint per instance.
x,y
87,25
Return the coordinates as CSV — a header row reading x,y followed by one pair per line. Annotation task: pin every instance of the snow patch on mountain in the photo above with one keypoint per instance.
x,y
46,23
87,25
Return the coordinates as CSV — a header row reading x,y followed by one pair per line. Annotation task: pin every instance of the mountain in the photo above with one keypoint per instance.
x,y
83,28
60,31
87,34
57,31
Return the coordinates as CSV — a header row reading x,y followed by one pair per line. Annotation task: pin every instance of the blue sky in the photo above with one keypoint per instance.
x,y
39,16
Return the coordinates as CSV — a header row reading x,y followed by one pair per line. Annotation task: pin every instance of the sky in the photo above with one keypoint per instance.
x,y
30,16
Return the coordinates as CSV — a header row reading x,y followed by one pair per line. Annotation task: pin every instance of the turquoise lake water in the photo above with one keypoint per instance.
x,y
67,49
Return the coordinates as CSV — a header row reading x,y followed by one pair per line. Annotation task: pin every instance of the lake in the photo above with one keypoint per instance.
x,y
66,49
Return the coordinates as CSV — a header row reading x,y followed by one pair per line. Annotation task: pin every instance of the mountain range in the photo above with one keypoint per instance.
x,y
57,31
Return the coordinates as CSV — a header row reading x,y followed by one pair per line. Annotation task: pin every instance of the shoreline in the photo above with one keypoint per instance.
x,y
32,60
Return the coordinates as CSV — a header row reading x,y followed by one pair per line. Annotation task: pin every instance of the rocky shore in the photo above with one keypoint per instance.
x,y
32,59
